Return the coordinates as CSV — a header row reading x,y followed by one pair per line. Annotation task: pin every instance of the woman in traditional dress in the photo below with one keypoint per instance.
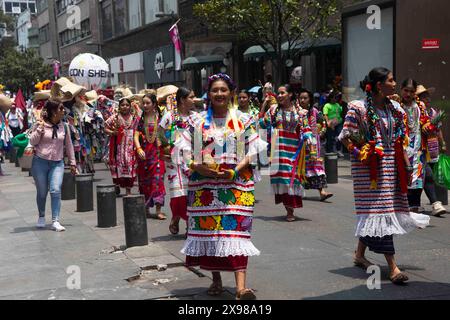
x,y
151,168
375,135
172,124
291,134
221,189
417,123
122,159
315,172
246,106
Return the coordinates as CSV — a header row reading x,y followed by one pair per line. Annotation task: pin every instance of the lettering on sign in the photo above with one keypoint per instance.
x,y
90,73
431,44
159,64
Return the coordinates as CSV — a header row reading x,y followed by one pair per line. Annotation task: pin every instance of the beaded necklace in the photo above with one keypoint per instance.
x,y
147,123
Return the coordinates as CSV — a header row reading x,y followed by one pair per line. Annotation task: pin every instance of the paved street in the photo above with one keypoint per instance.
x,y
308,259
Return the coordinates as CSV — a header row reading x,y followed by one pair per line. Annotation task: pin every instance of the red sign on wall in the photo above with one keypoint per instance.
x,y
431,44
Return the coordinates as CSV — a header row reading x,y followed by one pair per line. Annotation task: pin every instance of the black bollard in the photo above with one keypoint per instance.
x,y
17,164
135,221
106,206
442,194
331,167
85,197
12,155
68,185
7,155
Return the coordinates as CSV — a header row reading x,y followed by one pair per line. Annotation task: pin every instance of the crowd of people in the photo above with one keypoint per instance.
x,y
212,152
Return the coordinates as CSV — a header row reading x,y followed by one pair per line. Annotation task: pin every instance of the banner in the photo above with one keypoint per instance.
x,y
175,36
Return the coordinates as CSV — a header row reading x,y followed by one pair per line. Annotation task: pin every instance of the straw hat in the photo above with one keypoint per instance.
x,y
42,95
136,97
91,96
421,89
147,91
5,102
164,92
65,90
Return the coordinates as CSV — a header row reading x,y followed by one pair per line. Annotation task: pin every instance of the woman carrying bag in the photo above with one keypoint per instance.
x,y
49,137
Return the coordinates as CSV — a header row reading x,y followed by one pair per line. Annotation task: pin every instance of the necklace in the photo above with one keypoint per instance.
x,y
147,123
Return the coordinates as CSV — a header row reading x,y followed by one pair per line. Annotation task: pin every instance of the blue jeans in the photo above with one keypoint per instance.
x,y
48,175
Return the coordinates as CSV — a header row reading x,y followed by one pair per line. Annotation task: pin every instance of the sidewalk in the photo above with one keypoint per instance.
x,y
34,262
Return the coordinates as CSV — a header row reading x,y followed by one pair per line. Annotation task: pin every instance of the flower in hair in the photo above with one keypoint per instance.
x,y
368,87
224,77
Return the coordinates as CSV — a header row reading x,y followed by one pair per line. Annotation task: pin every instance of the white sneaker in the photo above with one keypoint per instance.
x,y
438,209
41,223
58,227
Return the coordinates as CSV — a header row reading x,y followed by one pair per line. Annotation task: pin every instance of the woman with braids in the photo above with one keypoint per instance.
x,y
376,137
171,126
122,159
221,189
292,136
418,128
151,168
315,172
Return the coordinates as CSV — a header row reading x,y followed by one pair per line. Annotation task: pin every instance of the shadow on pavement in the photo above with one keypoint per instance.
x,y
279,219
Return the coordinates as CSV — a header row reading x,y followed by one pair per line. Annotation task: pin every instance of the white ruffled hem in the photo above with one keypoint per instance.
x,y
286,189
381,225
219,248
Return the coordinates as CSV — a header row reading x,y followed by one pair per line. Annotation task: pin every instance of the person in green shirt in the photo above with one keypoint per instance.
x,y
332,112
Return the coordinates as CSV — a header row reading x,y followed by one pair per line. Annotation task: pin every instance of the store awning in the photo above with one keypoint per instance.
x,y
257,52
312,44
201,61
169,65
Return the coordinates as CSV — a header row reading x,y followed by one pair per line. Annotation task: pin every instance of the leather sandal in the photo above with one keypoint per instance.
x,y
326,197
215,289
399,278
174,227
246,294
362,263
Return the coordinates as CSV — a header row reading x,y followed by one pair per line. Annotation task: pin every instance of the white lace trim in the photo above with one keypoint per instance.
x,y
219,248
380,225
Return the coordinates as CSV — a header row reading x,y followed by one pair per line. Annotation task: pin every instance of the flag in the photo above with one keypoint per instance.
x,y
175,36
20,101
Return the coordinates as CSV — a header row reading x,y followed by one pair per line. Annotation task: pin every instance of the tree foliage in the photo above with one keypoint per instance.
x,y
22,70
283,26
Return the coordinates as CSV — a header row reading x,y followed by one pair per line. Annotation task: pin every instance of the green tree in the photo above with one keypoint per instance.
x,y
282,27
23,70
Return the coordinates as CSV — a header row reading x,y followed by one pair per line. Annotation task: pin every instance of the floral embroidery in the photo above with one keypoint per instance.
x,y
229,223
247,199
206,198
198,202
237,195
246,224
226,196
208,223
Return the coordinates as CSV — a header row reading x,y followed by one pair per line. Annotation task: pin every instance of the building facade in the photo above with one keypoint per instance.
x,y
27,33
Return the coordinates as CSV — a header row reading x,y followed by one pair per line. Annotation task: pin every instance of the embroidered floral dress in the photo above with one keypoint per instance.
x,y
220,210
315,172
122,155
151,171
177,170
414,149
291,134
381,204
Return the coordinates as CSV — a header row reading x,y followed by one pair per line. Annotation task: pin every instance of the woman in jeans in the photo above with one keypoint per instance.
x,y
49,137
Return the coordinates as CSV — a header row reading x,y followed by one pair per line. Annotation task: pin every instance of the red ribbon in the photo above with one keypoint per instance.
x,y
401,166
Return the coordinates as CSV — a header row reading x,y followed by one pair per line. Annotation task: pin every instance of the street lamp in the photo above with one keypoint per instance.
x,y
173,15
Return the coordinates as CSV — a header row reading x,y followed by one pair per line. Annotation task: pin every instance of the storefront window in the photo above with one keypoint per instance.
x,y
170,6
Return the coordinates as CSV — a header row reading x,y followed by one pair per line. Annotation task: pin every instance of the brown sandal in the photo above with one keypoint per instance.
x,y
399,279
215,289
174,227
246,294
362,263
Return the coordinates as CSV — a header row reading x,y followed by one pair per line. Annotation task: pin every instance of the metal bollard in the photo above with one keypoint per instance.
x,y
85,197
106,206
442,194
135,221
68,185
331,167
